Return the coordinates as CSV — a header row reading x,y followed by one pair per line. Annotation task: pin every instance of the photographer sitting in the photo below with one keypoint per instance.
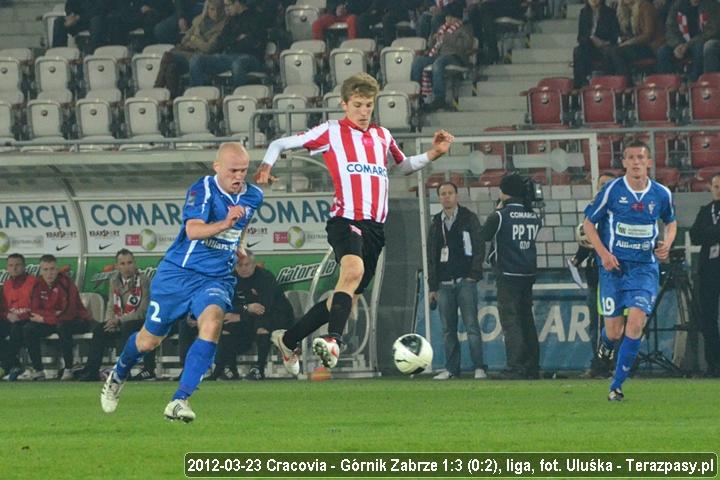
x,y
513,228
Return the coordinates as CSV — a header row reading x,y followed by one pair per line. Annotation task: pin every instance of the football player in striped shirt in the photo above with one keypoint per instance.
x,y
355,152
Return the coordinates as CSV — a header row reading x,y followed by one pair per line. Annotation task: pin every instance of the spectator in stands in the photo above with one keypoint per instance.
x,y
55,307
128,298
388,14
598,31
339,11
240,47
599,367
171,29
450,45
482,18
199,39
706,233
455,255
641,35
119,17
690,25
259,307
78,14
16,294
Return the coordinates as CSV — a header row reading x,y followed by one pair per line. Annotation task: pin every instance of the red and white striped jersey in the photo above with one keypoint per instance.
x,y
357,161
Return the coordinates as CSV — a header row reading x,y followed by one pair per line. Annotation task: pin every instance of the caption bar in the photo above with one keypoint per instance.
x,y
402,465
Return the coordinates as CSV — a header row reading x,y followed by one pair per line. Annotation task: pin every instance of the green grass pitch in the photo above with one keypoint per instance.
x,y
57,430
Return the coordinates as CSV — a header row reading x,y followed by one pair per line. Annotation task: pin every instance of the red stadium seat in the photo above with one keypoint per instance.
x,y
705,101
495,148
702,178
713,78
549,101
438,178
668,176
603,101
657,99
705,149
557,178
608,147
490,178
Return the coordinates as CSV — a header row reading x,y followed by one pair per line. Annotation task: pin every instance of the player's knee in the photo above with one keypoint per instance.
x,y
146,343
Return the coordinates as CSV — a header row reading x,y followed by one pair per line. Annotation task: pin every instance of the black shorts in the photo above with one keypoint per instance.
x,y
363,238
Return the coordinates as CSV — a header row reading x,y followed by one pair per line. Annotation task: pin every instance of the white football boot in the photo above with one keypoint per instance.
x,y
289,357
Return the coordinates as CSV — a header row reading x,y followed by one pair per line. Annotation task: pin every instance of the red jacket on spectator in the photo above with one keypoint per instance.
x,y
16,293
59,302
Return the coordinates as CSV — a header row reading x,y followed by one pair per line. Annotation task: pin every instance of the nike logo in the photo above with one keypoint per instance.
x,y
625,369
250,245
103,247
58,247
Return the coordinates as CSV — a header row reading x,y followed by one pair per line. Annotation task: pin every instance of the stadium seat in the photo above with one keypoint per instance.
x,y
10,74
490,178
100,72
310,91
549,102
261,93
705,149
52,73
316,47
62,96
288,103
192,118
319,4
393,110
365,45
205,92
345,63
158,48
238,113
396,64
668,176
299,20
297,67
495,153
95,122
23,55
332,100
603,101
435,179
110,95
71,54
7,127
657,100
145,68
158,93
143,121
608,150
556,178
14,97
45,124
702,178
705,100
416,44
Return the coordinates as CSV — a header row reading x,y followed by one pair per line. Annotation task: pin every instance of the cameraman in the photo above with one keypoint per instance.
x,y
455,256
513,228
706,232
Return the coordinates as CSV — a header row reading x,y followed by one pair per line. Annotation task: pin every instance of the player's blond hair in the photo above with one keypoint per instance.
x,y
361,84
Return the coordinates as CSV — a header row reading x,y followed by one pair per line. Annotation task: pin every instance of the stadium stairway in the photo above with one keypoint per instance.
x,y
19,26
497,100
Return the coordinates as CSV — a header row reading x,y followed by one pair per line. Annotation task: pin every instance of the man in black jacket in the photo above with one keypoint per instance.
x,y
240,47
706,233
598,30
259,307
513,228
455,256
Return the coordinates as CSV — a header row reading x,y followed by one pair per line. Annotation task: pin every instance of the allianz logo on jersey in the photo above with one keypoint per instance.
x,y
366,168
229,235
645,246
635,231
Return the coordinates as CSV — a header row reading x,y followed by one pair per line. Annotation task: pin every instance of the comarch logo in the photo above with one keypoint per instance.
x,y
355,167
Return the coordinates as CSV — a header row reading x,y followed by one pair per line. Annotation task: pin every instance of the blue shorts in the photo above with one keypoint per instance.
x,y
175,291
634,285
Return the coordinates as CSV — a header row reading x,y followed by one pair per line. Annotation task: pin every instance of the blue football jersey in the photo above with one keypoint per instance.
x,y
206,201
627,220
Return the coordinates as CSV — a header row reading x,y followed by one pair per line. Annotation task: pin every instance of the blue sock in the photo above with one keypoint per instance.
x,y
128,358
610,344
198,360
625,360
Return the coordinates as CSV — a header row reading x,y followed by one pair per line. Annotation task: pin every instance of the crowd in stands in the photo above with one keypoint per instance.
x,y
34,310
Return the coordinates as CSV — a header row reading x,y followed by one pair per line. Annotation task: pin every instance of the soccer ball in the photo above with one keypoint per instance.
x,y
582,238
296,237
148,239
4,243
412,354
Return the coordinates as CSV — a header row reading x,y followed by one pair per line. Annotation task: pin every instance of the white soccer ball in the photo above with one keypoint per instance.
x,y
296,237
148,239
412,354
582,238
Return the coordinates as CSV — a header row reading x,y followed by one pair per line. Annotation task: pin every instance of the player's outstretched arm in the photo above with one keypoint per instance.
x,y
440,145
196,229
276,147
